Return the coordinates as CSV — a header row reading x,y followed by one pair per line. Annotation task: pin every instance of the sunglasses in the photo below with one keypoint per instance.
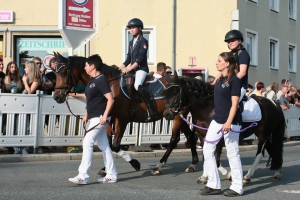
x,y
169,72
38,63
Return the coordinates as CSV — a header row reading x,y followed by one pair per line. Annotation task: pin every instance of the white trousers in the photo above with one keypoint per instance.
x,y
232,148
140,76
98,135
243,92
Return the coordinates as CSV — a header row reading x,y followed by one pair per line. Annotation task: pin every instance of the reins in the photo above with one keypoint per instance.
x,y
86,131
220,131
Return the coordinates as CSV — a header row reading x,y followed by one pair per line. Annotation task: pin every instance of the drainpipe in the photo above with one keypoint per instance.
x,y
174,38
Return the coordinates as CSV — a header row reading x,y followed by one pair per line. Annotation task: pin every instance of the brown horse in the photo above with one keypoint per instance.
x,y
124,111
269,130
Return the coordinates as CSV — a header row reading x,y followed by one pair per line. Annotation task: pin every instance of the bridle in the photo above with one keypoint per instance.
x,y
70,78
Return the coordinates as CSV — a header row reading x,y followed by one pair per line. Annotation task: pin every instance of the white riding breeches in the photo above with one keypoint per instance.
x,y
243,92
140,76
99,135
232,147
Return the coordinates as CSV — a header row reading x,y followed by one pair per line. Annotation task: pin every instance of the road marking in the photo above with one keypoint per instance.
x,y
291,191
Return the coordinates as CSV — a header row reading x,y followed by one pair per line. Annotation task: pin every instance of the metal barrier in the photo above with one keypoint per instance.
x,y
37,120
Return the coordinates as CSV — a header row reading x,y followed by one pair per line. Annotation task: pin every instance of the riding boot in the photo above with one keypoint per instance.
x,y
148,99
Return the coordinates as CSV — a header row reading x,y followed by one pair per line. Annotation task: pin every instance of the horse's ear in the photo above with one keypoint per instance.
x,y
168,79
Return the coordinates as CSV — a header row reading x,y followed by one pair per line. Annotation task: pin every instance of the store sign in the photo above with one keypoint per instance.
x,y
6,16
79,14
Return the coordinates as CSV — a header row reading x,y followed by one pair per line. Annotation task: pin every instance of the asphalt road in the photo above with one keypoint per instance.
x,y
49,180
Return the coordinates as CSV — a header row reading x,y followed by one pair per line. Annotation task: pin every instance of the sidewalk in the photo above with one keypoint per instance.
x,y
59,154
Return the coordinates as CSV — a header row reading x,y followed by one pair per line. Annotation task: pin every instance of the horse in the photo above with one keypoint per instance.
x,y
124,111
269,130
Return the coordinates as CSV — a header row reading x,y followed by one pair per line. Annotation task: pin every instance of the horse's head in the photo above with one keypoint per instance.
x,y
64,79
173,94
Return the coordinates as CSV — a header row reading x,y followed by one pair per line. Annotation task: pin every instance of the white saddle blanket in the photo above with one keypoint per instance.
x,y
252,112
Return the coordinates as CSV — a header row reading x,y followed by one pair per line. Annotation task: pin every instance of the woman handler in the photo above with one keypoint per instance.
x,y
137,57
99,102
227,91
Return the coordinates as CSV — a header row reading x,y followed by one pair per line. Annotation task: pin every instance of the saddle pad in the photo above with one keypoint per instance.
x,y
252,112
157,88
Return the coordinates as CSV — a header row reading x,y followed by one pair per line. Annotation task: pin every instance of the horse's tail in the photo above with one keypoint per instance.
x,y
277,142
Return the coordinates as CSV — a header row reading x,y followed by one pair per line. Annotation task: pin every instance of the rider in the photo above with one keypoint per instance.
x,y
137,57
234,39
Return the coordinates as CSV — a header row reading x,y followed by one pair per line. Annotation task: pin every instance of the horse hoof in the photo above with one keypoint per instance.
x,y
201,182
135,164
101,173
190,169
156,171
246,180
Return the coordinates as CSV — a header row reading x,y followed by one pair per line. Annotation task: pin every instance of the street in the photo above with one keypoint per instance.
x,y
49,180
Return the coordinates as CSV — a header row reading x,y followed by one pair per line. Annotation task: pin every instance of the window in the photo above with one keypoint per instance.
x,y
274,44
251,46
292,58
274,5
293,9
149,33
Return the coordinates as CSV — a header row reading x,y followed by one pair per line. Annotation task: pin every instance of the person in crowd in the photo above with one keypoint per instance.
x,y
249,90
13,81
1,65
137,57
284,82
160,70
47,85
98,105
260,89
169,70
284,103
297,98
271,94
290,93
32,78
234,39
227,91
13,84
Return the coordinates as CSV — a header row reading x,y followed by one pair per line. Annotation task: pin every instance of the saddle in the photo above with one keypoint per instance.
x,y
250,110
154,86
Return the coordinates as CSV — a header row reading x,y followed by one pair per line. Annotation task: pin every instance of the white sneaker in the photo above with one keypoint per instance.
x,y
17,150
78,180
24,151
107,180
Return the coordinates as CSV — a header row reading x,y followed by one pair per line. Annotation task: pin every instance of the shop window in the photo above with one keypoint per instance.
x,y
43,47
149,33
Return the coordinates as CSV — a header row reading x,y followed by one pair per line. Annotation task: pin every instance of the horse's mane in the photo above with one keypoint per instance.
x,y
79,62
199,92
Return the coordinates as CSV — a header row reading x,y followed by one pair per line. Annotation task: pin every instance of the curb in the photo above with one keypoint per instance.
x,y
98,155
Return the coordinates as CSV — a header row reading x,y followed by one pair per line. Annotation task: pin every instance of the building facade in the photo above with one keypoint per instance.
x,y
270,29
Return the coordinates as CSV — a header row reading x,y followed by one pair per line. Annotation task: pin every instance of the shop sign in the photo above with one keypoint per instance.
x,y
6,16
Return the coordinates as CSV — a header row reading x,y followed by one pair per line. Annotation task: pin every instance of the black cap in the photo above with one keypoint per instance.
x,y
234,34
135,22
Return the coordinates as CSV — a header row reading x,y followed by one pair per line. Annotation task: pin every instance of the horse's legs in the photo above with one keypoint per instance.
x,y
259,156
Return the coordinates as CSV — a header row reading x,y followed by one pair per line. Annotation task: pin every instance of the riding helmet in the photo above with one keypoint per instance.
x,y
234,34
135,22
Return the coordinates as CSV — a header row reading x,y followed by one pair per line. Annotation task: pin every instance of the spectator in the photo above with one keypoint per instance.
x,y
290,93
160,70
254,91
297,98
249,90
32,78
12,80
46,83
284,104
2,76
284,82
1,65
169,70
271,94
260,86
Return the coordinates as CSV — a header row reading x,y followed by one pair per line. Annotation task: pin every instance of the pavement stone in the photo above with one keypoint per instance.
x,y
59,156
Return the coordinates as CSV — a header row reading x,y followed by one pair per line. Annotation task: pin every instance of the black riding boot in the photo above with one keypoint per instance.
x,y
148,99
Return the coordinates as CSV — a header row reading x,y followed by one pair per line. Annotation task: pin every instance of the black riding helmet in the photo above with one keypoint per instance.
x,y
234,34
135,22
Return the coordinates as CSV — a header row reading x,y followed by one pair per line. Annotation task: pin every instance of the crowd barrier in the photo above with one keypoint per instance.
x,y
37,120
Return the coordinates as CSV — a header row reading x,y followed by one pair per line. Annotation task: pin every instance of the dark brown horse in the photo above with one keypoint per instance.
x,y
270,129
124,111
